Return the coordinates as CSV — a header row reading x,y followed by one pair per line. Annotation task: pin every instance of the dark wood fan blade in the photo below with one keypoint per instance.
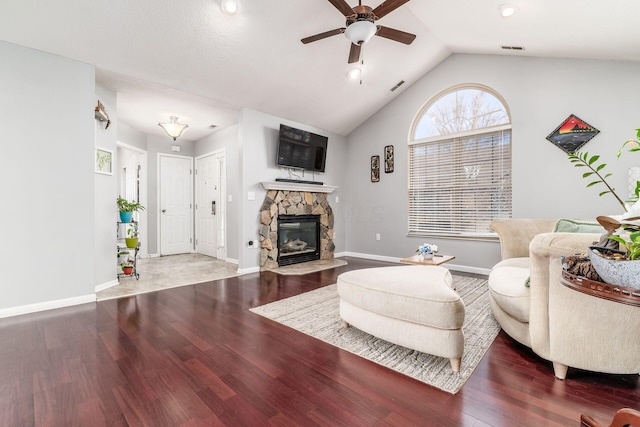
x,y
322,35
396,35
343,7
387,7
354,53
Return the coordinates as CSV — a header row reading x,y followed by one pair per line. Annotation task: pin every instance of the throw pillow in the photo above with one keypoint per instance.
x,y
577,226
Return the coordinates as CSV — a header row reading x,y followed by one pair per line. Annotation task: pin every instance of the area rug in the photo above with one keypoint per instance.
x,y
315,313
309,267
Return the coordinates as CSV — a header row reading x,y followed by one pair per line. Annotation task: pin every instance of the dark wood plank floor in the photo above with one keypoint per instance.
x,y
195,356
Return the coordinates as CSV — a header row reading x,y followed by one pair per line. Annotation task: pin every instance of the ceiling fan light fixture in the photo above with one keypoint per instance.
x,y
230,7
361,32
507,10
173,128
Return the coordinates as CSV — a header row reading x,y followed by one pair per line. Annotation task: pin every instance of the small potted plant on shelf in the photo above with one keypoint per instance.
x,y
132,235
127,267
127,208
123,256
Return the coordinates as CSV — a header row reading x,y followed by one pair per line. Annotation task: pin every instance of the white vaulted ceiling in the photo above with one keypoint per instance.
x,y
187,58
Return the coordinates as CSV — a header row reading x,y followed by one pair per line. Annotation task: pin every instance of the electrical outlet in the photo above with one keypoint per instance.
x,y
252,244
377,236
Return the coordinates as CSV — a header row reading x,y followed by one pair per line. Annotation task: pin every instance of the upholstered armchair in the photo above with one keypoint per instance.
x,y
564,326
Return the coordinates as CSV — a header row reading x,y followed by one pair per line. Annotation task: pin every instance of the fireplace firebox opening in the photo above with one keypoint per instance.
x,y
298,238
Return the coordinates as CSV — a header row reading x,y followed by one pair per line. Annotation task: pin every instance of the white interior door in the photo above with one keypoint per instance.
x,y
210,205
221,158
207,206
175,205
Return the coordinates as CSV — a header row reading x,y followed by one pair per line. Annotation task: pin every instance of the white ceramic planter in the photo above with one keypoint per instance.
x,y
624,273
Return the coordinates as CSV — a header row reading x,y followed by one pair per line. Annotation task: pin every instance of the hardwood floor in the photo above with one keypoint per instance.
x,y
196,356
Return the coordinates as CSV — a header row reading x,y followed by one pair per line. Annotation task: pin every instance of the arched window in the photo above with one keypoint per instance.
x,y
460,164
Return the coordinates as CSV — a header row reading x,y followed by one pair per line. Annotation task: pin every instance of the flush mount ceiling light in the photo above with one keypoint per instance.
x,y
230,7
507,10
360,32
173,128
354,73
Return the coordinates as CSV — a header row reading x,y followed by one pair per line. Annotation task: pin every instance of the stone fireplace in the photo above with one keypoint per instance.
x,y
289,204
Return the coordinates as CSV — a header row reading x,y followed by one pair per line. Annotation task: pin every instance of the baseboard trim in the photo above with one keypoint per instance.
x,y
107,285
232,261
452,267
47,305
248,270
371,256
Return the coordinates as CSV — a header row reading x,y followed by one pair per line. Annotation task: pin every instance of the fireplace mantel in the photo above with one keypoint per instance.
x,y
294,186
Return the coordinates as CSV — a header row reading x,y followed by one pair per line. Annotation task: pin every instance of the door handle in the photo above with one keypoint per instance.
x,y
213,207
164,210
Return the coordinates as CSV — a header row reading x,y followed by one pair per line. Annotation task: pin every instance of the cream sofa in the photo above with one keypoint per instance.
x,y
566,327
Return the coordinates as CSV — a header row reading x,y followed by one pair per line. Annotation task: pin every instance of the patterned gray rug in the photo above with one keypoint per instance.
x,y
315,313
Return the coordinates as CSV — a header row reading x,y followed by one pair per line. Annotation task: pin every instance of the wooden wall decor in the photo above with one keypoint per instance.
x,y
375,168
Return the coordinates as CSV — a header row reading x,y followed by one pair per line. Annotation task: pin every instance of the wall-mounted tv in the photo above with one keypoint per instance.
x,y
301,149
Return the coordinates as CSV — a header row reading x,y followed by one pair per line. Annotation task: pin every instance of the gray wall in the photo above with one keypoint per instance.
x,y
159,145
540,93
105,195
46,177
227,138
153,145
258,138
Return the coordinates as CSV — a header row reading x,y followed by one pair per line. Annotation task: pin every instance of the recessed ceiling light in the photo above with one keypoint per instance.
x,y
354,73
230,7
507,10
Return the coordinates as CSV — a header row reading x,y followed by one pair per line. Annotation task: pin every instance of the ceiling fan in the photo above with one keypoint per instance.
x,y
360,26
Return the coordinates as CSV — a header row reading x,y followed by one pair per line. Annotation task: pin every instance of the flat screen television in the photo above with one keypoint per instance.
x,y
301,149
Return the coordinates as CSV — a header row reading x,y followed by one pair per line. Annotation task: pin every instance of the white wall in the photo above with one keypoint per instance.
x,y
258,139
540,93
227,138
105,192
46,179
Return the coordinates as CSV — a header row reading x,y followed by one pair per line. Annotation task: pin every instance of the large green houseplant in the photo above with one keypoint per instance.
x,y
627,225
127,208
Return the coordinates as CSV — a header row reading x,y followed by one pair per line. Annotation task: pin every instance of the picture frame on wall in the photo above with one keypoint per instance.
x,y
375,168
388,159
572,134
103,161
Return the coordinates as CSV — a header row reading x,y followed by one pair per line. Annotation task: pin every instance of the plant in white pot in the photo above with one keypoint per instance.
x,y
427,251
619,268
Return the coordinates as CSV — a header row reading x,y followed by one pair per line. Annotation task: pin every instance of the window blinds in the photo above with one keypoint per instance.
x,y
458,186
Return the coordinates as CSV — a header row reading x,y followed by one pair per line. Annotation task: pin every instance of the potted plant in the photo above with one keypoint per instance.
x,y
615,267
132,233
123,256
127,267
127,208
427,250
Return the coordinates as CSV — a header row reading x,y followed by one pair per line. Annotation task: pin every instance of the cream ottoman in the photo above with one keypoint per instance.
x,y
412,306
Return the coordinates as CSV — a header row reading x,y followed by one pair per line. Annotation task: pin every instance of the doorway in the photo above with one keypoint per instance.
x,y
132,185
211,204
175,201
